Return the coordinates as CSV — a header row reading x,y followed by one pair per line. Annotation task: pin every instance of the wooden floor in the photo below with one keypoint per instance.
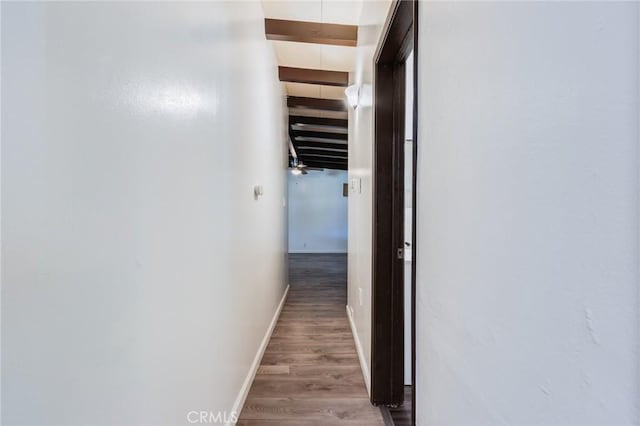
x,y
399,416
310,373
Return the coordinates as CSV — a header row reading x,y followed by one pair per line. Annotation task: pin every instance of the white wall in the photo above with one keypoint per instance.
x,y
372,17
527,251
132,136
317,212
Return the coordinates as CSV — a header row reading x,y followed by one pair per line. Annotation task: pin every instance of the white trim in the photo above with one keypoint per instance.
x,y
244,390
361,358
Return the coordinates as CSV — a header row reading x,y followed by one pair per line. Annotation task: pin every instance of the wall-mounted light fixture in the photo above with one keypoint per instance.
x,y
353,95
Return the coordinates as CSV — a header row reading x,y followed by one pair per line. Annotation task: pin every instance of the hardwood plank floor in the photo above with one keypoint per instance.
x,y
401,415
310,374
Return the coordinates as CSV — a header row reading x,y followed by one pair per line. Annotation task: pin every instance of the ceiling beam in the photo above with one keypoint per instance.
x,y
331,161
300,145
323,156
322,129
324,135
342,115
316,103
335,157
311,32
314,150
301,139
318,121
325,165
316,159
312,76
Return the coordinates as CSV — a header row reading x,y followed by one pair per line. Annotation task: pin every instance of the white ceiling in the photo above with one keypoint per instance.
x,y
314,91
317,56
327,11
310,55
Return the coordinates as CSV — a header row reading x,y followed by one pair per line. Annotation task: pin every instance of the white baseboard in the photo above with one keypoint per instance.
x,y
361,358
244,390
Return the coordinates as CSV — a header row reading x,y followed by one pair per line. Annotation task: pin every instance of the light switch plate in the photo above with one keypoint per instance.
x,y
356,185
257,192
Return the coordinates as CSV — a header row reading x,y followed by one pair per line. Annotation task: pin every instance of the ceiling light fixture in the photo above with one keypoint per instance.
x,y
353,95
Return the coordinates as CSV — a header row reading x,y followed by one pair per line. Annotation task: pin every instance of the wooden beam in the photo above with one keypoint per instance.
x,y
314,140
316,103
310,161
325,165
306,112
335,155
341,153
323,135
331,161
302,145
311,76
321,129
311,32
318,121
323,157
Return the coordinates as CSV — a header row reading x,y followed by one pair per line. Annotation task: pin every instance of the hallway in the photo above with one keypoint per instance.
x,y
310,373
178,178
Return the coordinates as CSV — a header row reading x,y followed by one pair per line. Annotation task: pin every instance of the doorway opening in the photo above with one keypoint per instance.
x,y
394,218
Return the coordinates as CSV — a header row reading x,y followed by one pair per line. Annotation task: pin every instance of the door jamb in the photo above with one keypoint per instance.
x,y
399,37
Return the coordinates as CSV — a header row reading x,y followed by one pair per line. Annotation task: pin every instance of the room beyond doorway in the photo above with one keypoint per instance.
x,y
317,212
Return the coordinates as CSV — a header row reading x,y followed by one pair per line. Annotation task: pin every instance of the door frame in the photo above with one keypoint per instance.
x,y
399,38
